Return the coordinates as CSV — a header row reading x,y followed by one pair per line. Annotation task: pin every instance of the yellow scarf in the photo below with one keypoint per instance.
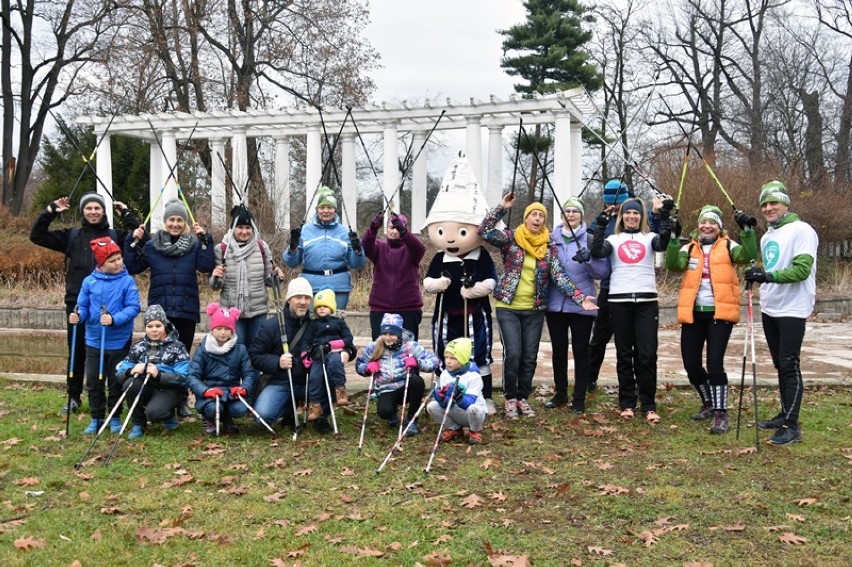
x,y
535,244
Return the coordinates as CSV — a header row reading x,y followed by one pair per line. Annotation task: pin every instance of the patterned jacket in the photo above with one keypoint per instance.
x,y
392,372
169,356
546,269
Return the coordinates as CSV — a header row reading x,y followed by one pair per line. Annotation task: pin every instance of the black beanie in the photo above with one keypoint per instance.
x,y
241,216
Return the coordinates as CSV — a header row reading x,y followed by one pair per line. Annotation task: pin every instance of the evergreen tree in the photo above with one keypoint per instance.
x,y
547,52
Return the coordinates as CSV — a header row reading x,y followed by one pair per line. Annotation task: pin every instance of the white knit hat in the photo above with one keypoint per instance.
x,y
299,286
460,198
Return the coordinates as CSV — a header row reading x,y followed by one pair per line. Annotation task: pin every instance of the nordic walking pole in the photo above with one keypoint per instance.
x,y
748,331
750,323
400,437
103,347
217,416
285,349
366,408
404,399
127,419
328,391
255,414
441,427
103,427
70,375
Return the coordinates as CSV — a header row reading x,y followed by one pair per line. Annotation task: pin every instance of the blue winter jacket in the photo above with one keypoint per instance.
x,y
174,283
326,246
118,292
208,370
583,275
392,371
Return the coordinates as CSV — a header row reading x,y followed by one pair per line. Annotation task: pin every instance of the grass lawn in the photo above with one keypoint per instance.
x,y
555,489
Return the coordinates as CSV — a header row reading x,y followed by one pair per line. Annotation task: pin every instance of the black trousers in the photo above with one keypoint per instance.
x,y
601,334
155,404
103,388
387,403
580,327
635,326
784,336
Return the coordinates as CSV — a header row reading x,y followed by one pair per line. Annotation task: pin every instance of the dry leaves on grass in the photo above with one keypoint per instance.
x,y
309,529
472,501
503,559
148,536
275,497
597,550
613,490
29,542
730,528
362,551
303,472
28,481
438,559
792,539
802,502
795,517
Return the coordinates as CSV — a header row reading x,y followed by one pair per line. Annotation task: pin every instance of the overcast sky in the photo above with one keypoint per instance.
x,y
441,48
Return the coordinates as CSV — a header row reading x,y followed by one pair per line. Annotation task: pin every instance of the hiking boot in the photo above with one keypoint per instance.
x,y
720,422
524,408
775,423
183,410
323,426
490,408
412,429
209,427
229,426
393,421
475,438
340,395
556,401
592,386
114,425
73,403
93,427
448,435
706,412
171,423
511,409
314,411
578,408
136,432
786,435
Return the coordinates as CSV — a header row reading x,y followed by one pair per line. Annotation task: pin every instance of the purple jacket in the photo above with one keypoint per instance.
x,y
396,271
583,275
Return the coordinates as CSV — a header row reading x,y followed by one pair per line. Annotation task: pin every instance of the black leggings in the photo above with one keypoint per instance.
x,y
558,325
387,403
784,335
715,333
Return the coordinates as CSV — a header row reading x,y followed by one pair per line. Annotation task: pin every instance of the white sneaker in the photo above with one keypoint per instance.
x,y
525,409
490,408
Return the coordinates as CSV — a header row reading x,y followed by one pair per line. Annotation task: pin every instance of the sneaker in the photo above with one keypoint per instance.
x,y
720,422
136,432
209,427
184,411
93,427
114,425
73,403
556,401
775,423
340,394
511,409
592,386
314,411
706,412
393,421
490,408
412,429
448,435
323,426
524,408
786,436
475,438
170,424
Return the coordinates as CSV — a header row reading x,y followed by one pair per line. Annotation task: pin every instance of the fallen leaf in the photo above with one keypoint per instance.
x,y
238,490
96,535
486,464
612,489
442,539
603,466
299,551
438,559
498,497
731,528
304,472
111,511
347,472
506,560
805,502
363,551
792,539
29,481
776,528
649,538
599,550
306,530
275,497
395,546
795,517
29,542
472,501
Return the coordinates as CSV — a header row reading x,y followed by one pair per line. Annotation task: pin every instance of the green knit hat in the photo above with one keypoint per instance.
x,y
326,198
576,203
711,213
774,192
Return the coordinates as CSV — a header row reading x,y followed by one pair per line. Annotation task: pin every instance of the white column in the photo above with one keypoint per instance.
x,y
168,182
391,165
349,189
313,167
418,186
562,148
494,190
281,189
218,202
104,171
473,146
239,166
576,174
155,185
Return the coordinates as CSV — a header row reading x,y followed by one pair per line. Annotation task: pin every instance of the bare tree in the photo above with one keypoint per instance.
x,y
50,43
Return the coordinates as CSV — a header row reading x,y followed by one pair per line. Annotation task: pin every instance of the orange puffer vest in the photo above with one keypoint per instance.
x,y
723,279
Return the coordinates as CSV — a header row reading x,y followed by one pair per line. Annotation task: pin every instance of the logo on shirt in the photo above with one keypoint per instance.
x,y
771,253
631,252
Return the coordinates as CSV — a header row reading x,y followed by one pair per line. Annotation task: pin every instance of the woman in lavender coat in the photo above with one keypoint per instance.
x,y
563,313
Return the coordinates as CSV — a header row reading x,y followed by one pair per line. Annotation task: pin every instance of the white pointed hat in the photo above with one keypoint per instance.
x,y
460,198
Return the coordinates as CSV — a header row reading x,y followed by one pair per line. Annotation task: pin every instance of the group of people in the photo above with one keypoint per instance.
x,y
278,367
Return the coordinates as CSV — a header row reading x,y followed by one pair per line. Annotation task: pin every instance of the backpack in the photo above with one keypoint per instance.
x,y
222,247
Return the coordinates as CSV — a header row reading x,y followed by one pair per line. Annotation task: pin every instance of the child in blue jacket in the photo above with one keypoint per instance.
x,y
221,368
108,302
390,359
460,385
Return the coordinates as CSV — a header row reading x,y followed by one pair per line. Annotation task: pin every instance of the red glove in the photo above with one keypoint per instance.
x,y
410,362
373,367
307,360
337,344
213,392
238,391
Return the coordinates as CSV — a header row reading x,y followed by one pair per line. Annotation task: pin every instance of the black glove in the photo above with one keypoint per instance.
x,y
668,205
758,275
458,392
678,228
665,228
744,220
396,222
318,352
582,256
295,235
355,241
377,221
603,219
467,281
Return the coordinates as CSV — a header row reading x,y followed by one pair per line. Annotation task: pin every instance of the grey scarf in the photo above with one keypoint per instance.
x,y
162,243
